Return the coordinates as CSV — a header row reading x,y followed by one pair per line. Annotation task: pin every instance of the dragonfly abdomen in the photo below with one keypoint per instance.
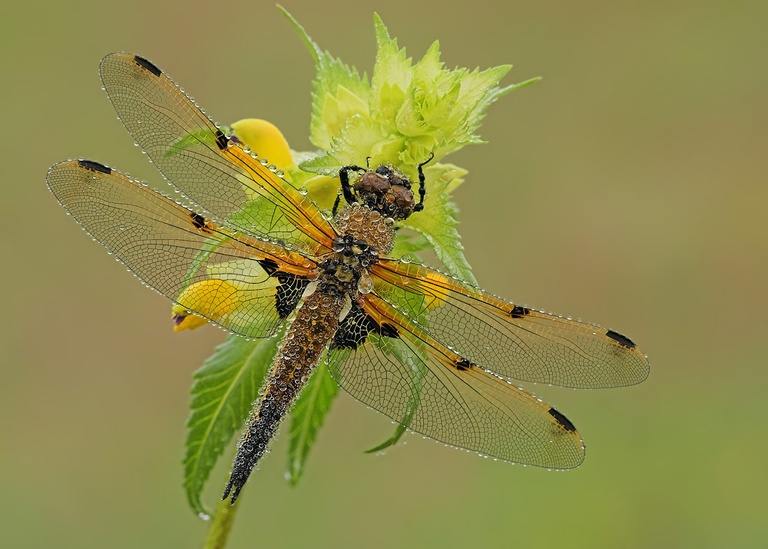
x,y
316,321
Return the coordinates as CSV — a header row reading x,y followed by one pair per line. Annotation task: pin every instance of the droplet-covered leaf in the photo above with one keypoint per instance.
x,y
225,388
338,91
438,222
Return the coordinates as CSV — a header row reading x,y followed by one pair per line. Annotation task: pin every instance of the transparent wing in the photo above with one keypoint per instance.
x,y
508,339
402,372
241,283
213,172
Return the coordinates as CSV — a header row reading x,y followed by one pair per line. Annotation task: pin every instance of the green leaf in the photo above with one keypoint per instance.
x,y
338,91
409,245
307,417
357,141
192,139
438,222
391,74
224,390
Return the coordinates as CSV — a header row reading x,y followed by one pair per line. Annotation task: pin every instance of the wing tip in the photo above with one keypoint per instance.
x,y
122,57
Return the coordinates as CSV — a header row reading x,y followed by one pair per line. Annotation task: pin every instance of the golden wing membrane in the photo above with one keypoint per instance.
x,y
508,339
216,174
242,283
401,371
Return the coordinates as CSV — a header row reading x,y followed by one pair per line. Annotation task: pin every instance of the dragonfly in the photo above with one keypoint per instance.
x,y
250,252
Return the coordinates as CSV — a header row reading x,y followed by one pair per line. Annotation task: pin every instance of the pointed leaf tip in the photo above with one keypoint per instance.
x,y
314,49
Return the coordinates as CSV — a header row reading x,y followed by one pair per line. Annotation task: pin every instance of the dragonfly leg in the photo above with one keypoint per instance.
x,y
422,180
346,187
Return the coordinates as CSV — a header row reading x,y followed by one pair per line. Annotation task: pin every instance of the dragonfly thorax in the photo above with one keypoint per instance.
x,y
367,225
347,265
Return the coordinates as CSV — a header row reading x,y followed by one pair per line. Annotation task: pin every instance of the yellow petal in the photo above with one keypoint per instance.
x,y
185,320
323,190
213,299
265,140
433,299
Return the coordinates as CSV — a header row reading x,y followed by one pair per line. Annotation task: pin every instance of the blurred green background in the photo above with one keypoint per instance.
x,y
628,187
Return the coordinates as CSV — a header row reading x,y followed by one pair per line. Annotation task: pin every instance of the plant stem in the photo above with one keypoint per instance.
x,y
221,523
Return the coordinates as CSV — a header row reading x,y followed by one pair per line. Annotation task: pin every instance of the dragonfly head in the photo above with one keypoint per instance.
x,y
386,191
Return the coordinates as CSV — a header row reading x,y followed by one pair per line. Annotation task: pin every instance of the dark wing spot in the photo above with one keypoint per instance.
x,y
620,339
94,166
564,422
269,265
221,140
463,365
354,329
147,65
289,293
519,312
198,220
290,289
387,330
